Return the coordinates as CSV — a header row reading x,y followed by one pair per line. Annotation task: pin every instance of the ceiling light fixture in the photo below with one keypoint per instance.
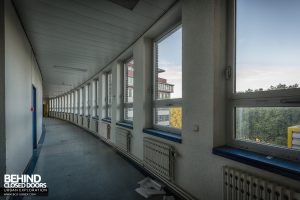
x,y
70,68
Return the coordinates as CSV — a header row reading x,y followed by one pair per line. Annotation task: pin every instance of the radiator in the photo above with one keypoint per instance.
x,y
239,185
123,139
159,158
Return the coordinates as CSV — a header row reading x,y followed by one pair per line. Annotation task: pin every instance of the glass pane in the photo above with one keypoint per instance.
x,y
81,101
169,66
168,116
109,89
109,112
266,124
94,98
128,114
129,77
86,110
267,45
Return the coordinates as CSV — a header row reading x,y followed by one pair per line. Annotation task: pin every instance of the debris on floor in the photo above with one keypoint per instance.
x,y
149,187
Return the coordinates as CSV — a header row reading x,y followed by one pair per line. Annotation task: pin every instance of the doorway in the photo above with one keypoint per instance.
x,y
34,120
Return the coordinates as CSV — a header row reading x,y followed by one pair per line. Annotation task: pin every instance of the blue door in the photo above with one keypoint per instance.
x,y
34,134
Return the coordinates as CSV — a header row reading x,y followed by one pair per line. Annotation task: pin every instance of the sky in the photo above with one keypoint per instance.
x,y
267,43
170,59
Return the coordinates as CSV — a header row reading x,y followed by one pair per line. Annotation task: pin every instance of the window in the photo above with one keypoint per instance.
x,y
128,90
60,104
63,103
108,94
69,103
95,97
264,89
55,105
50,104
76,102
81,101
168,81
86,99
72,102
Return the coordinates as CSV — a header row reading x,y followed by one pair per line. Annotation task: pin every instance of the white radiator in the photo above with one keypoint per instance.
x,y
123,139
159,158
239,185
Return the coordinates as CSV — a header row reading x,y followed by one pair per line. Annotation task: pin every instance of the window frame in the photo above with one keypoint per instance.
x,y
107,105
126,105
76,102
273,98
81,103
87,100
94,101
167,103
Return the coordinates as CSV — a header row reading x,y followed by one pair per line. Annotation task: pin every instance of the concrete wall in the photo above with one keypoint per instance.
x,y
2,95
197,170
21,72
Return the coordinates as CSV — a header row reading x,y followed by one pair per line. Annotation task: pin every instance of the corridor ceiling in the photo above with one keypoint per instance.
x,y
74,39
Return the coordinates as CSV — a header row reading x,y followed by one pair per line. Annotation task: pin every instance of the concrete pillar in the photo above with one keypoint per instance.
x,y
142,55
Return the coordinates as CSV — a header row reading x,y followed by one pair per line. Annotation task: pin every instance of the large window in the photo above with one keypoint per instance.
x,y
128,90
81,101
76,102
264,86
69,103
66,103
168,81
62,104
95,84
72,102
86,99
108,94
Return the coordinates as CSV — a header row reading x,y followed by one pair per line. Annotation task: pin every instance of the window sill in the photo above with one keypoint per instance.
x,y
107,120
163,134
278,166
125,125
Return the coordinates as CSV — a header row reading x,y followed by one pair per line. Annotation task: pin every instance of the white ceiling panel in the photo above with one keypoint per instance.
x,y
74,39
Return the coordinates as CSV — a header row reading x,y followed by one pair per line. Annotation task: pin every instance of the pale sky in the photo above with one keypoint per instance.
x,y
170,59
268,43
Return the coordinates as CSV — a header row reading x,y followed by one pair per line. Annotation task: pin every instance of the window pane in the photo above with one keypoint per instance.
x,y
76,102
109,112
168,68
267,45
266,124
86,110
129,78
169,116
109,89
109,94
128,114
81,101
94,98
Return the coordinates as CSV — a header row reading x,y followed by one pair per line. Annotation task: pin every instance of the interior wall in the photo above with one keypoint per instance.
x,y
2,97
21,72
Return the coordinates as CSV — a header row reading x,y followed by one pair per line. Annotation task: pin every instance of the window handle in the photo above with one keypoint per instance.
x,y
290,101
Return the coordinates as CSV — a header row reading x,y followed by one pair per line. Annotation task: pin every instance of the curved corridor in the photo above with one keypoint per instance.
x,y
76,165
